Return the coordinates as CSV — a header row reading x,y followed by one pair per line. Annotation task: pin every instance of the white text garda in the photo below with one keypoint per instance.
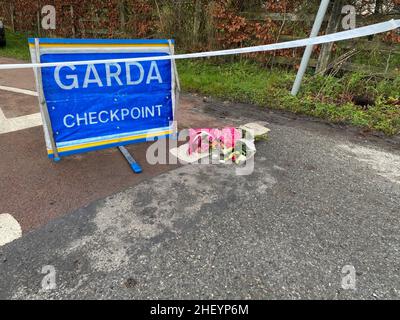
x,y
135,75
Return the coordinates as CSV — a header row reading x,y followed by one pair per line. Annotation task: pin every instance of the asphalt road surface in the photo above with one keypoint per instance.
x,y
321,198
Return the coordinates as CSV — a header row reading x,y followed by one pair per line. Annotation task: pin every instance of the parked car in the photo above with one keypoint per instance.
x,y
2,35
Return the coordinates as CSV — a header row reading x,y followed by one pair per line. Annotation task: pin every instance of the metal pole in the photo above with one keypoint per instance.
x,y
43,104
176,86
307,52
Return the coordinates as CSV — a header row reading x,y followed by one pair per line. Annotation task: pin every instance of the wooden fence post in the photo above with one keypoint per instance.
x,y
122,14
12,17
38,22
72,20
197,21
333,25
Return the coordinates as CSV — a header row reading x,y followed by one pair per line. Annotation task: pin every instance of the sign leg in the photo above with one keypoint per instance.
x,y
43,104
132,162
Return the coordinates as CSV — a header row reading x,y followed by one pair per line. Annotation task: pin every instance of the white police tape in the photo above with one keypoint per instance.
x,y
338,36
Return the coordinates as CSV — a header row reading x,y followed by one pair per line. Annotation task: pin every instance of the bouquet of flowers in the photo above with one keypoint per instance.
x,y
233,144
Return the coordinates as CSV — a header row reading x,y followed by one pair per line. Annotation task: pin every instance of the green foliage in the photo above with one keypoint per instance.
x,y
325,97
17,46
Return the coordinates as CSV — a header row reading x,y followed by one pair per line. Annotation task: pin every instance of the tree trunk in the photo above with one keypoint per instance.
x,y
378,6
197,21
12,17
72,20
122,14
333,25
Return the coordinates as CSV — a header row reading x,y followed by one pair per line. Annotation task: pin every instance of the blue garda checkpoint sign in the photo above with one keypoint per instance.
x,y
98,106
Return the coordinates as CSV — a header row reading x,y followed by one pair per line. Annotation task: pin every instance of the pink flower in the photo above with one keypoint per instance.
x,y
229,136
202,139
199,140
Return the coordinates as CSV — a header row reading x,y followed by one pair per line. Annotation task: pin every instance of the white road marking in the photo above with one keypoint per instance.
x,y
2,117
384,163
17,90
19,123
10,229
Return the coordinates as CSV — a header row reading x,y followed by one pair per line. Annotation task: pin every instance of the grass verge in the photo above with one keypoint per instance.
x,y
17,46
326,97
